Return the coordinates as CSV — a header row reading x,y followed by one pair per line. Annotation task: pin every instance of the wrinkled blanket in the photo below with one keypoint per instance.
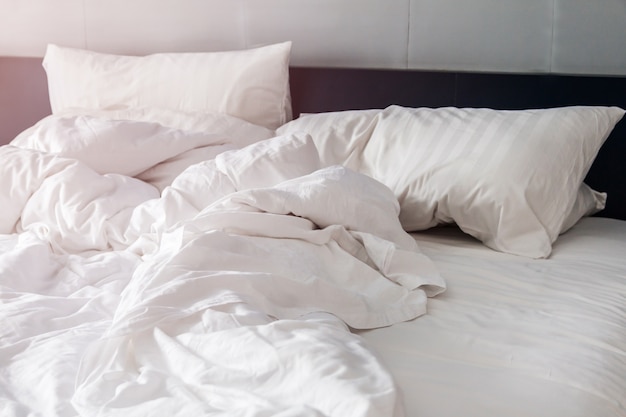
x,y
147,269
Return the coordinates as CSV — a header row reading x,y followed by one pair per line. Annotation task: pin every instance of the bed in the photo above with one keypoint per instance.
x,y
222,234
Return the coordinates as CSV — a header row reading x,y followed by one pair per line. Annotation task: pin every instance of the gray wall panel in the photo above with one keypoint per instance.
x,y
544,36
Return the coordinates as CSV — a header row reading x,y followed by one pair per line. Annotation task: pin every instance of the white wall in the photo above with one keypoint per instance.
x,y
560,36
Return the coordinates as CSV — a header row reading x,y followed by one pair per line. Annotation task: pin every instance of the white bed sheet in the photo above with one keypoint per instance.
x,y
517,337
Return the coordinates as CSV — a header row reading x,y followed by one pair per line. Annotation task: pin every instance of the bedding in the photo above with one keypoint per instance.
x,y
534,327
517,337
182,248
229,291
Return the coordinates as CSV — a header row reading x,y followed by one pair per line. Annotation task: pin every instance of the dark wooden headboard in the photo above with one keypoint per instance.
x,y
24,100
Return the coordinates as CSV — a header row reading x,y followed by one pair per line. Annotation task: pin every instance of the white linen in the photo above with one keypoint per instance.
x,y
511,178
517,337
251,84
229,293
101,138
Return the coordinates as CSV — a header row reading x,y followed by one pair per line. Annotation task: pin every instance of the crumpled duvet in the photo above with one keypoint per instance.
x,y
148,269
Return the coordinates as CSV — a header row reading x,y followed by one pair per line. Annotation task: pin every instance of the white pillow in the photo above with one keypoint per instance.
x,y
512,179
250,84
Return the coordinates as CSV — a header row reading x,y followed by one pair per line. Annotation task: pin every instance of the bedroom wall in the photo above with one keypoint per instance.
x,y
548,36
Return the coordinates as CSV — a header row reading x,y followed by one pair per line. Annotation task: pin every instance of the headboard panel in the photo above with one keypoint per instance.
x,y
23,95
24,100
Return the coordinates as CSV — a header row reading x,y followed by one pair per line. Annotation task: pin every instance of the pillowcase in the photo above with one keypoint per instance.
x,y
588,202
512,179
250,84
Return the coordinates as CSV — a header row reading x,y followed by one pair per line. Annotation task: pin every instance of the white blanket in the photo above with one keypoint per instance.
x,y
150,270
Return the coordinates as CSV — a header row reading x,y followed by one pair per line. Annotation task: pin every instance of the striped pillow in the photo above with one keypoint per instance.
x,y
513,179
251,84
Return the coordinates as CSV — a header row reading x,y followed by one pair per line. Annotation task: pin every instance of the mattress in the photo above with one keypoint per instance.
x,y
517,337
